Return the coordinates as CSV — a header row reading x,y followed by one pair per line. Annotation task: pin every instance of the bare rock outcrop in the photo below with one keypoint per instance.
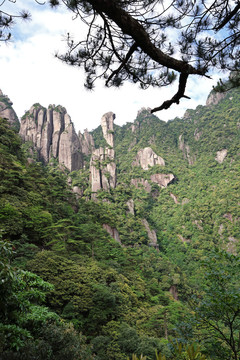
x,y
142,182
175,199
53,135
112,232
163,180
174,292
147,157
221,155
214,98
7,112
197,134
186,150
87,142
70,149
152,235
102,163
107,127
131,206
231,246
102,169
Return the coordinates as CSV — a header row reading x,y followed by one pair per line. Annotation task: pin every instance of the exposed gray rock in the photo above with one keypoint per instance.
x,y
231,246
78,191
102,169
174,198
95,171
102,163
70,149
221,228
7,112
198,223
147,157
52,133
107,127
197,134
142,182
186,150
214,98
162,180
130,205
184,240
87,142
174,292
112,232
221,155
152,236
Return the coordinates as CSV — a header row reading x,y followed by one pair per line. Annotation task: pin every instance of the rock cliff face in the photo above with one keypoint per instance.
x,y
186,150
7,112
112,232
152,236
87,142
146,157
214,98
52,133
162,179
102,165
102,169
142,182
107,127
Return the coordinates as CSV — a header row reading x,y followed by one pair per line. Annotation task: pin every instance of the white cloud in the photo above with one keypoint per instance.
x,y
30,73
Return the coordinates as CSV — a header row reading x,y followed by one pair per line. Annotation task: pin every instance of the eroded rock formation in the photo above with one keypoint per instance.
x,y
102,169
112,232
152,235
107,127
163,180
87,142
214,98
147,157
221,155
7,112
142,182
102,164
53,135
186,150
131,206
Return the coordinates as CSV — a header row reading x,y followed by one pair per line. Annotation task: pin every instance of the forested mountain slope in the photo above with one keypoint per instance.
x,y
127,257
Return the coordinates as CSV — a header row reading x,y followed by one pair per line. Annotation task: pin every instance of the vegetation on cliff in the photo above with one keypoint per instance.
x,y
70,290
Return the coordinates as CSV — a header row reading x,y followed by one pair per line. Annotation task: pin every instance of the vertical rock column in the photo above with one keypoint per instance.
x,y
102,165
52,134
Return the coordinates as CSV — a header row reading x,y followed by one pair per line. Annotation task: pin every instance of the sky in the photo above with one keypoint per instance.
x,y
29,73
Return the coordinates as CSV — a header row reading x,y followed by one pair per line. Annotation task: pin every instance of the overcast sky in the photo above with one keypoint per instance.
x,y
29,73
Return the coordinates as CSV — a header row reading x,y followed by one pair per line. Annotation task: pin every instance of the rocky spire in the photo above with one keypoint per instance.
x,y
52,133
102,164
107,127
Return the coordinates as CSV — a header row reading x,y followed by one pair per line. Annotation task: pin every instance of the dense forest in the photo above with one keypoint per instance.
x,y
167,286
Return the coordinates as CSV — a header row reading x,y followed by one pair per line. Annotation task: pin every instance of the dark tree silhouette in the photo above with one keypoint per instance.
x,y
150,41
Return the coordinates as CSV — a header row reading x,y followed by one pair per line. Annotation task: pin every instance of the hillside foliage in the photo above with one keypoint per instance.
x,y
69,290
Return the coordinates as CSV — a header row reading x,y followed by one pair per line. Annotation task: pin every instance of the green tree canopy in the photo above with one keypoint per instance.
x,y
218,306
